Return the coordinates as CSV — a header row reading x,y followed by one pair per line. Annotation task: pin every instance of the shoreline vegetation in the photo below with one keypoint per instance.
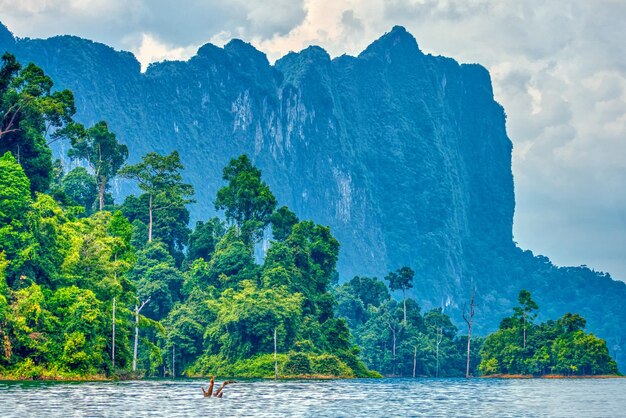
x,y
91,290
51,377
552,376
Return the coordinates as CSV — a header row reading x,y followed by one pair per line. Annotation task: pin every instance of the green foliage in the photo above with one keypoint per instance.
x,y
231,262
246,200
391,344
259,366
30,111
297,364
165,196
246,304
99,256
401,279
14,186
101,150
81,188
186,324
331,365
560,347
16,238
159,174
282,220
155,276
55,317
314,252
204,238
59,276
83,326
58,273
246,319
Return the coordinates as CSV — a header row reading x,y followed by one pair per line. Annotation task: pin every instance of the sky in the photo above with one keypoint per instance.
x,y
558,68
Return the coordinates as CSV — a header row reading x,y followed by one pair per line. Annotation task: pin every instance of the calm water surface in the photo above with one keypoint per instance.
x,y
342,398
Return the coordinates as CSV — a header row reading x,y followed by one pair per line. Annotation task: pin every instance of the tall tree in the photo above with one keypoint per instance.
x,y
159,177
104,154
468,316
525,311
401,279
138,309
560,346
246,200
31,114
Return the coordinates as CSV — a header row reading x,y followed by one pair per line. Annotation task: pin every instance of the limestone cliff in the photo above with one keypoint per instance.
x,y
405,155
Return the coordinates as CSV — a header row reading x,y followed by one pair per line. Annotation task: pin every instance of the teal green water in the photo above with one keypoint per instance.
x,y
343,398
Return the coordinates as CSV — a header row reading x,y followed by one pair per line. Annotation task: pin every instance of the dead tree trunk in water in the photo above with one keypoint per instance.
x,y
208,393
468,317
218,392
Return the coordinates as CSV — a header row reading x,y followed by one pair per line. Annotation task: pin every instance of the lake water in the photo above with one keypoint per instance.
x,y
340,398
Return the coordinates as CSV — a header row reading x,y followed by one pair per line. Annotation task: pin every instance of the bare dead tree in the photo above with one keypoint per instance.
x,y
219,392
113,338
137,310
414,360
7,126
275,357
393,335
437,343
173,361
468,316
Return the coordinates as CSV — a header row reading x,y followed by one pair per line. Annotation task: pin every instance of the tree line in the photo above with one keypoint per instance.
x,y
396,338
90,287
560,347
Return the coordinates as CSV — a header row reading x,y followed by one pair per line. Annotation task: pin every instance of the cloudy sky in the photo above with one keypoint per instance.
x,y
558,68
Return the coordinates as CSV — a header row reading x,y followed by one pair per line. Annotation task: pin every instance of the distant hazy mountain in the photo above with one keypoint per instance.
x,y
404,155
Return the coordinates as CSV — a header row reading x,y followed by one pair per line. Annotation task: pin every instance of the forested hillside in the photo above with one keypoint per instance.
x,y
404,155
89,288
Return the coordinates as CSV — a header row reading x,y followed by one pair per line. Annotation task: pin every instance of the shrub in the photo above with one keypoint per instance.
x,y
297,364
330,365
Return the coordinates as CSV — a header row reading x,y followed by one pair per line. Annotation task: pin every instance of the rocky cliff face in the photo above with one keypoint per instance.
x,y
404,155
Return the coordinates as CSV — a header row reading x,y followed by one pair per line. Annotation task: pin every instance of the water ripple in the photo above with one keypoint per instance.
x,y
328,398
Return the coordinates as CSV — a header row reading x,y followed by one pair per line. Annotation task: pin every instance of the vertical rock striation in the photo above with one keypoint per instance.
x,y
404,155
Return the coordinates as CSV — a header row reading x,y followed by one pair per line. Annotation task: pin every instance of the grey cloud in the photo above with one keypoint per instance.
x,y
274,18
351,22
120,23
434,9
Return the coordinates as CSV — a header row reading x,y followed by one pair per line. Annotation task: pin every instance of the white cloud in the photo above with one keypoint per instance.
x,y
151,50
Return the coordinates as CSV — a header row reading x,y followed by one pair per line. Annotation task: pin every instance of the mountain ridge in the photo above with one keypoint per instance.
x,y
404,154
